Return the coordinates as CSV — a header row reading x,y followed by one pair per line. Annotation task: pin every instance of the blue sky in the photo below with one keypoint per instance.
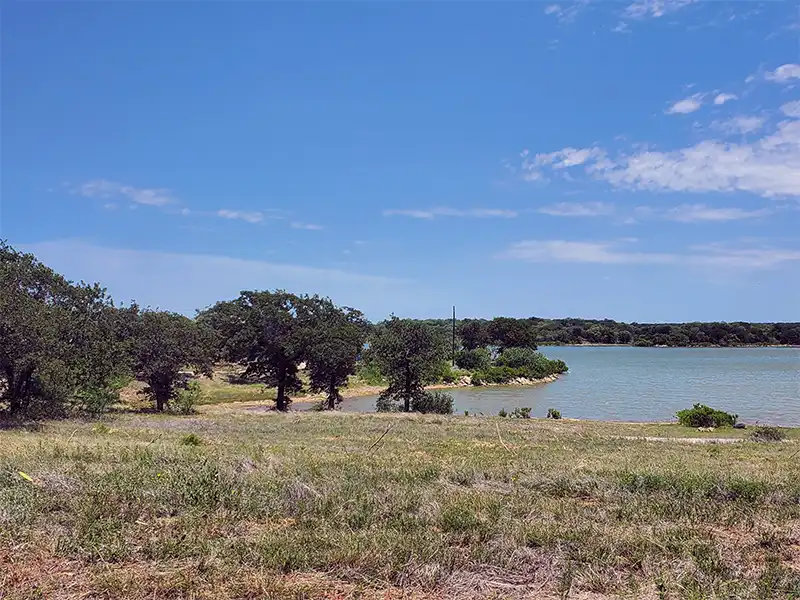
x,y
633,161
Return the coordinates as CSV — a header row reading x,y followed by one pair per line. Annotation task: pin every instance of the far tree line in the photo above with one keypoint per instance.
x,y
66,346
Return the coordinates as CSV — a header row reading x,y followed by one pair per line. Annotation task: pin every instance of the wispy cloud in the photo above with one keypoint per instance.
x,y
723,98
308,226
112,190
696,213
783,73
740,124
643,9
185,282
433,213
566,12
250,217
768,166
613,253
578,209
791,109
686,106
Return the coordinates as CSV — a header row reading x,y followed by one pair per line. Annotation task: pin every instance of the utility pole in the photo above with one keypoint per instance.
x,y
454,335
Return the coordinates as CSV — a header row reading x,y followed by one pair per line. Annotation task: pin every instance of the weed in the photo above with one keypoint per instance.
x,y
552,413
191,439
766,433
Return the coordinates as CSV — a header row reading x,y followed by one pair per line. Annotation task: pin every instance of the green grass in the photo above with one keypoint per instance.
x,y
307,504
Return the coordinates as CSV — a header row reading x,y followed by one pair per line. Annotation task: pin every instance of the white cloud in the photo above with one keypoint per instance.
x,y
723,98
621,27
642,9
308,226
695,213
608,253
250,217
580,252
739,124
783,73
686,106
112,190
185,282
578,209
791,109
768,166
568,13
432,213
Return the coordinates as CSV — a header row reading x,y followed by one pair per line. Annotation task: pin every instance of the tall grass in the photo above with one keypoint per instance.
x,y
266,505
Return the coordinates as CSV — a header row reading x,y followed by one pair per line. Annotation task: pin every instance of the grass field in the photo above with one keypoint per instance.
x,y
234,504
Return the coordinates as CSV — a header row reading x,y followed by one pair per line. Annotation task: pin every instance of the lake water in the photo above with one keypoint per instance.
x,y
649,384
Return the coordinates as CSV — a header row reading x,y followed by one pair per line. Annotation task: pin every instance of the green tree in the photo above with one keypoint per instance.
x,y
505,332
164,344
474,334
334,338
262,331
408,353
60,341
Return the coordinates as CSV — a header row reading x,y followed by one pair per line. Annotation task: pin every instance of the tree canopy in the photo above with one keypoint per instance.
x,y
408,353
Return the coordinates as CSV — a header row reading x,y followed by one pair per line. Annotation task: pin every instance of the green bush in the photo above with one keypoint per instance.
x,y
370,373
701,415
187,398
445,373
473,360
436,402
502,413
523,412
190,439
529,363
552,413
95,401
766,433
496,375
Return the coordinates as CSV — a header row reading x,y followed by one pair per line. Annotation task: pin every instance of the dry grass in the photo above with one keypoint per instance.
x,y
310,505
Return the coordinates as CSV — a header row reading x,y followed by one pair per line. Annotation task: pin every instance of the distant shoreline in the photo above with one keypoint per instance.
x,y
593,345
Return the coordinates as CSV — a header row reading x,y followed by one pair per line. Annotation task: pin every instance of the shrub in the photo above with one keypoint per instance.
x,y
190,439
552,413
370,373
701,415
435,401
473,360
186,399
496,375
445,373
765,433
95,401
502,413
529,363
523,412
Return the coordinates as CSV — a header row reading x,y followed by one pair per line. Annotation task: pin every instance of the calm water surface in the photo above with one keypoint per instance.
x,y
649,384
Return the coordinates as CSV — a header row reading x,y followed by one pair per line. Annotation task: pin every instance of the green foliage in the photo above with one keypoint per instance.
x,y
496,375
701,415
444,373
529,363
187,398
474,335
334,339
522,412
502,413
165,344
433,401
552,413
59,339
408,353
190,439
266,333
473,360
766,433
369,372
505,332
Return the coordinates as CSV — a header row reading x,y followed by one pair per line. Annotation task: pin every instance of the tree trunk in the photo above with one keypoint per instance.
x,y
280,401
407,392
332,395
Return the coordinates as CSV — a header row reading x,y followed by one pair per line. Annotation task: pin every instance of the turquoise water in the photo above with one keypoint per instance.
x,y
649,384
